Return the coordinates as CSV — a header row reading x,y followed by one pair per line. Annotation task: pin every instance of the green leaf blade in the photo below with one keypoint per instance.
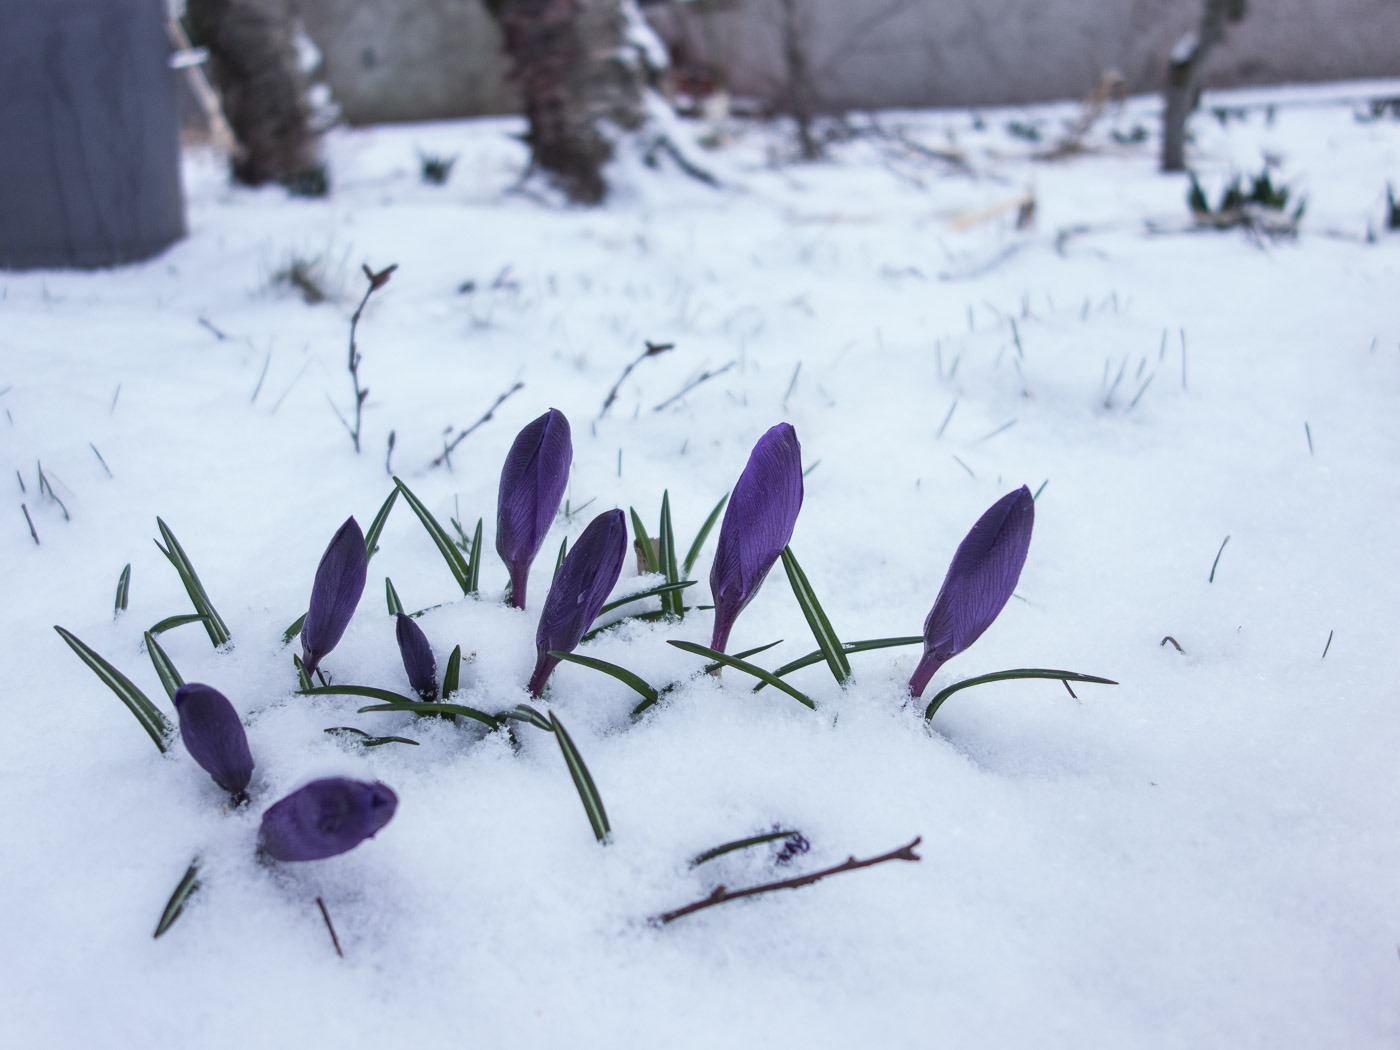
x,y
1003,676
822,631
123,588
742,665
626,677
418,707
738,844
453,673
694,553
583,781
643,542
377,525
456,564
184,890
666,558
169,677
391,597
152,721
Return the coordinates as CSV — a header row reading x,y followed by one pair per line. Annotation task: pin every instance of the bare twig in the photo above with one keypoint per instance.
x,y
31,523
701,378
388,469
721,894
331,929
221,336
376,282
447,449
1175,643
100,459
652,349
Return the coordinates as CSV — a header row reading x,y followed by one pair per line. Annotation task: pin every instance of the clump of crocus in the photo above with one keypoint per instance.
x,y
340,580
580,588
979,583
757,525
325,817
417,657
532,484
214,736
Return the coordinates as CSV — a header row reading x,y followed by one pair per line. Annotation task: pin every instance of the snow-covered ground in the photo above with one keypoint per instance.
x,y
1202,856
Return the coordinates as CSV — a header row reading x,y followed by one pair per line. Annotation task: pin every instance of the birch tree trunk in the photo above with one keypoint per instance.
x,y
263,92
1186,59
579,75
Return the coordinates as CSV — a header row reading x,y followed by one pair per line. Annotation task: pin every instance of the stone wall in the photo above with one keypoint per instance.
x,y
426,59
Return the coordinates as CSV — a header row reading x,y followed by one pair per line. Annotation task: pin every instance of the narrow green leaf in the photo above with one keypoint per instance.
x,y
646,617
641,538
295,629
827,641
730,847
741,665
848,647
474,562
453,672
559,561
377,525
711,668
183,892
1002,676
367,740
152,721
391,597
666,557
387,695
703,534
171,622
214,625
660,589
583,781
165,668
623,675
450,554
526,713
303,678
418,707
123,588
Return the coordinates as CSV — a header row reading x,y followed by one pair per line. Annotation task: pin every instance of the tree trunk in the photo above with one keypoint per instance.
x,y
254,63
579,74
798,94
1187,58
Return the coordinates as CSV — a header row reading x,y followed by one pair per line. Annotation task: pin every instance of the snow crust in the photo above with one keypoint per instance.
x,y
1202,856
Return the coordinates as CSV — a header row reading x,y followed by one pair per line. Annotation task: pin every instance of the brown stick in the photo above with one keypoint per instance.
x,y
327,916
447,449
722,894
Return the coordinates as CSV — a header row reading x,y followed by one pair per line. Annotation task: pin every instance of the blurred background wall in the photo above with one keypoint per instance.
x,y
390,60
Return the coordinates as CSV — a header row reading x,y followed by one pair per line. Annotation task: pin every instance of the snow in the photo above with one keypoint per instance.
x,y
1201,856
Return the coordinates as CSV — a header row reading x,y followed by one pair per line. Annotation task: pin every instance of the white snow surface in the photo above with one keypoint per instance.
x,y
1204,855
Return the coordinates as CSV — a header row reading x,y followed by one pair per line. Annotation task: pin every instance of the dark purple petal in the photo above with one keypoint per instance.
x,y
417,657
325,817
757,525
585,580
532,484
979,583
214,736
340,580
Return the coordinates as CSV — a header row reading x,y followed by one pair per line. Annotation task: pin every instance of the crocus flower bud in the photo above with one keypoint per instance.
x,y
214,736
532,484
325,817
757,525
340,580
979,583
584,581
417,657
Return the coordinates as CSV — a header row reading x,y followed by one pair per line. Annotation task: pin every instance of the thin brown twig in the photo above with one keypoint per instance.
x,y
722,894
652,349
376,282
490,413
327,917
701,378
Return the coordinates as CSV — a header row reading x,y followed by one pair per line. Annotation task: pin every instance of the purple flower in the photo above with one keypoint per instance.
x,y
532,484
588,575
980,580
757,525
417,657
325,817
340,580
214,736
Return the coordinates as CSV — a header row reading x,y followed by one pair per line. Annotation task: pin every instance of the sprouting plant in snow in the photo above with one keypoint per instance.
x,y
435,169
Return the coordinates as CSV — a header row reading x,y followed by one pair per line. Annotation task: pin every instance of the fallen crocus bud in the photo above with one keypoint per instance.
x,y
417,657
325,817
340,580
757,525
979,583
214,736
580,588
533,479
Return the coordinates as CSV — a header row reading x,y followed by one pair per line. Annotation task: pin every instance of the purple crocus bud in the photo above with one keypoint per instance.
x,y
325,817
532,484
340,580
757,525
417,657
214,736
980,580
584,581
